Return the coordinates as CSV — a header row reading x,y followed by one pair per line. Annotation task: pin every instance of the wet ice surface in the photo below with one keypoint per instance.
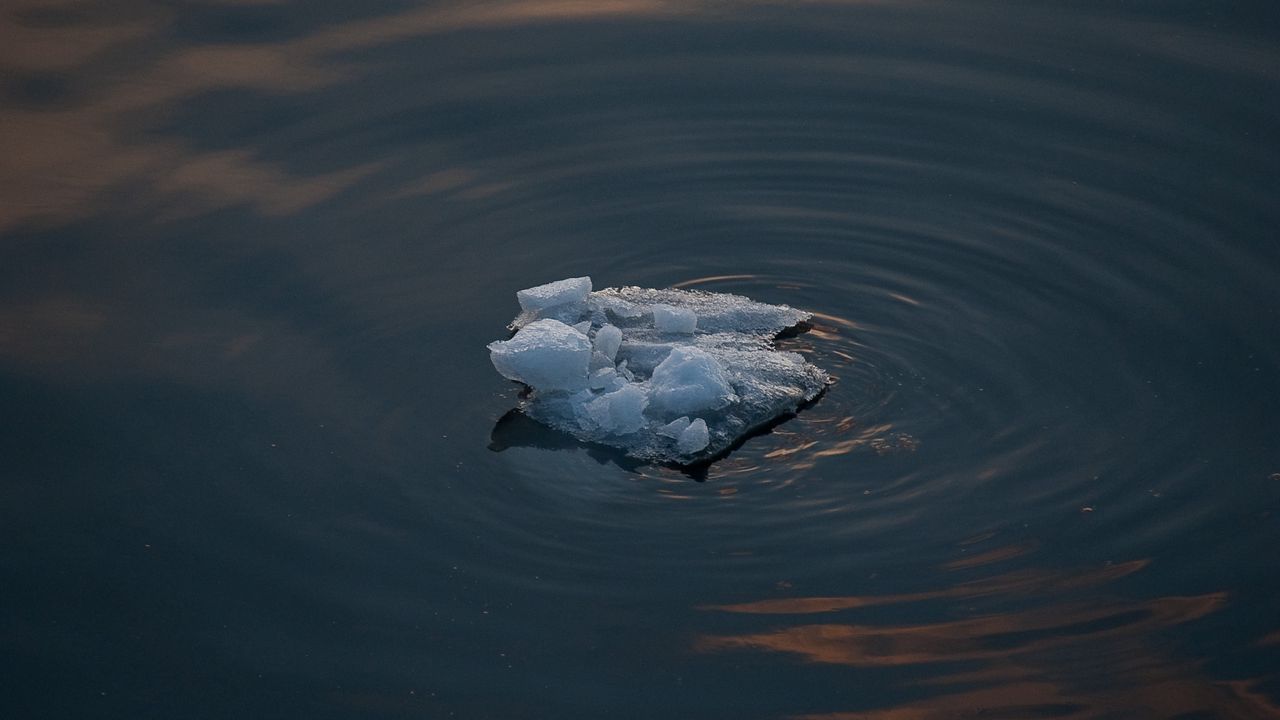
x,y
664,375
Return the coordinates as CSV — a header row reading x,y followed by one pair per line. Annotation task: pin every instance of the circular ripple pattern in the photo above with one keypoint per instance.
x,y
1015,249
1039,246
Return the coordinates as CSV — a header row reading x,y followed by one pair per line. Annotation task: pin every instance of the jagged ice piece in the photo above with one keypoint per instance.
x,y
620,412
674,428
608,340
688,381
546,354
629,367
693,438
572,291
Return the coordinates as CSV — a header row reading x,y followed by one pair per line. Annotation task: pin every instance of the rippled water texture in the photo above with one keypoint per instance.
x,y
255,461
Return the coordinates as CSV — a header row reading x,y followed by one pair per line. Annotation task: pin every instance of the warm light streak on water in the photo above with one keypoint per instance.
x,y
1064,660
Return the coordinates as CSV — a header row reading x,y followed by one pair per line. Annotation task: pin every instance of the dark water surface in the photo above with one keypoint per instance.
x,y
250,451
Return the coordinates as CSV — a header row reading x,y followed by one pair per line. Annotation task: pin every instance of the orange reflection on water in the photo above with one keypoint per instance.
x,y
982,638
1021,582
86,155
712,279
211,179
1083,658
50,331
864,437
785,451
999,554
804,449
423,22
835,320
40,47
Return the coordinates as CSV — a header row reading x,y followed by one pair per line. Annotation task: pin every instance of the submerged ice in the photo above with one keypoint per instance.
x,y
665,375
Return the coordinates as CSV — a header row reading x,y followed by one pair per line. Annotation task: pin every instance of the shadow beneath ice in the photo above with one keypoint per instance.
x,y
794,331
515,429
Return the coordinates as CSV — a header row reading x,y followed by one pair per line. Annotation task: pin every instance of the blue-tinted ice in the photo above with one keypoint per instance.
x,y
664,375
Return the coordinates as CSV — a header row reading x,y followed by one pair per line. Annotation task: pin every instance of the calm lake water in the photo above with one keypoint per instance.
x,y
253,455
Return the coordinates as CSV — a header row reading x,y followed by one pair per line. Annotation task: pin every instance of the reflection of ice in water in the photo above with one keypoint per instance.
x,y
670,375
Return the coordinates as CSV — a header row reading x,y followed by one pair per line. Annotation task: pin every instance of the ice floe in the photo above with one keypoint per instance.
x,y
664,375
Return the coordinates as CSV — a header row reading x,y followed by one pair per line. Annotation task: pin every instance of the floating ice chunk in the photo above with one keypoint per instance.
x,y
629,367
546,354
689,381
572,291
694,438
620,412
674,428
608,340
669,319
